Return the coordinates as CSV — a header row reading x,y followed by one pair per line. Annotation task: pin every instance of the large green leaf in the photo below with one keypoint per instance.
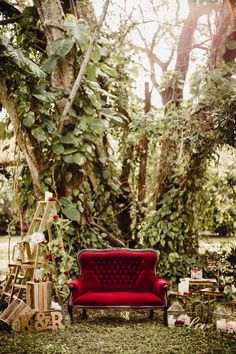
x,y
78,30
89,110
65,202
99,125
173,256
96,55
70,150
71,213
62,46
94,97
58,149
87,148
47,96
69,138
39,134
108,113
20,59
68,158
108,70
91,72
29,120
79,159
68,177
50,63
4,134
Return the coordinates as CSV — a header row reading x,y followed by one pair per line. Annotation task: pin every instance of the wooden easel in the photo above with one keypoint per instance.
x,y
23,268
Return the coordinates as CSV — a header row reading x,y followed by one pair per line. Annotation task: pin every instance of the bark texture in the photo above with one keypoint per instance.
x,y
184,48
33,158
52,19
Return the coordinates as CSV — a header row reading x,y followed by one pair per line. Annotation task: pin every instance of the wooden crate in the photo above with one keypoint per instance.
x,y
16,308
38,295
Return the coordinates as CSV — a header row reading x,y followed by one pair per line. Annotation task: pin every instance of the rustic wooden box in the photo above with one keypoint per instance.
x,y
16,308
38,295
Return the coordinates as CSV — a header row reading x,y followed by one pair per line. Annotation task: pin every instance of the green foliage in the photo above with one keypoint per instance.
x,y
217,197
172,228
171,79
20,58
78,30
219,261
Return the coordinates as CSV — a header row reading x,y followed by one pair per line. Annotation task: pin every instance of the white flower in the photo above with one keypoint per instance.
x,y
231,326
55,306
37,237
184,318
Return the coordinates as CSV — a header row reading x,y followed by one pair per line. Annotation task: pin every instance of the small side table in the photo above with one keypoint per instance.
x,y
202,282
210,294
182,297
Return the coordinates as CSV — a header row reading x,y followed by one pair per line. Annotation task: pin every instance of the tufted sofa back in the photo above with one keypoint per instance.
x,y
117,269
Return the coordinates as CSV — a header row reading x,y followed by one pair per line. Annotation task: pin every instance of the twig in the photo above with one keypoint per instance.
x,y
86,61
181,148
11,20
113,239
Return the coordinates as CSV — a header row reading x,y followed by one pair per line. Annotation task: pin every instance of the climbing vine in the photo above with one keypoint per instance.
x,y
172,227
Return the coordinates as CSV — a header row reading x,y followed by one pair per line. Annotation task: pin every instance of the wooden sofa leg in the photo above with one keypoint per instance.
x,y
70,311
84,314
151,314
165,316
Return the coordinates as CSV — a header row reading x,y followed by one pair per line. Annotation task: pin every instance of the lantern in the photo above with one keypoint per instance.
x,y
173,313
220,316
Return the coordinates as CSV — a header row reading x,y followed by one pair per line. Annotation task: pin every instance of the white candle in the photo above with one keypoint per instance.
x,y
181,288
187,285
221,324
48,195
171,321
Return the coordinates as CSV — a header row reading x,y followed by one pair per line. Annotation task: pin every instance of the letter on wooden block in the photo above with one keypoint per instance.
x,y
57,320
24,322
41,322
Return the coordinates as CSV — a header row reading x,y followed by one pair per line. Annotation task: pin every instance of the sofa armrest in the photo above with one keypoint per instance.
x,y
76,289
160,288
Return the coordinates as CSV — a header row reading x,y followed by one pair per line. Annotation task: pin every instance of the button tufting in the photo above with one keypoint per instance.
x,y
116,270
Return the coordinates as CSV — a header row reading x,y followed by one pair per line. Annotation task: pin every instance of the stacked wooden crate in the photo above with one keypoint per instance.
x,y
38,295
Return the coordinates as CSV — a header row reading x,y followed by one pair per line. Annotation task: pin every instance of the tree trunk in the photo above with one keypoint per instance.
x,y
143,152
143,158
52,19
185,45
33,157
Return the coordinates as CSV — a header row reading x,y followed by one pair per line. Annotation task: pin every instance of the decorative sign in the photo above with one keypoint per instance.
x,y
41,321
196,273
195,323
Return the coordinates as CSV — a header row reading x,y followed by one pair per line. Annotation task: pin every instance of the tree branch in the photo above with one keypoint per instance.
x,y
150,55
85,63
113,239
11,20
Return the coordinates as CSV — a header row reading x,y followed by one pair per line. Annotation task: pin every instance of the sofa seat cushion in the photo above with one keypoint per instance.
x,y
104,299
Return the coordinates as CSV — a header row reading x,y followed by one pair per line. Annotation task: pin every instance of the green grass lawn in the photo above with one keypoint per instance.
x,y
110,333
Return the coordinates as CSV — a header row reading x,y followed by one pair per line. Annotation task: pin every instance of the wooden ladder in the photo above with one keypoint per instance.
x,y
23,270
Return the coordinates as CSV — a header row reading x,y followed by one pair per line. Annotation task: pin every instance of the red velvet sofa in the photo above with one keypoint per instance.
x,y
118,279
